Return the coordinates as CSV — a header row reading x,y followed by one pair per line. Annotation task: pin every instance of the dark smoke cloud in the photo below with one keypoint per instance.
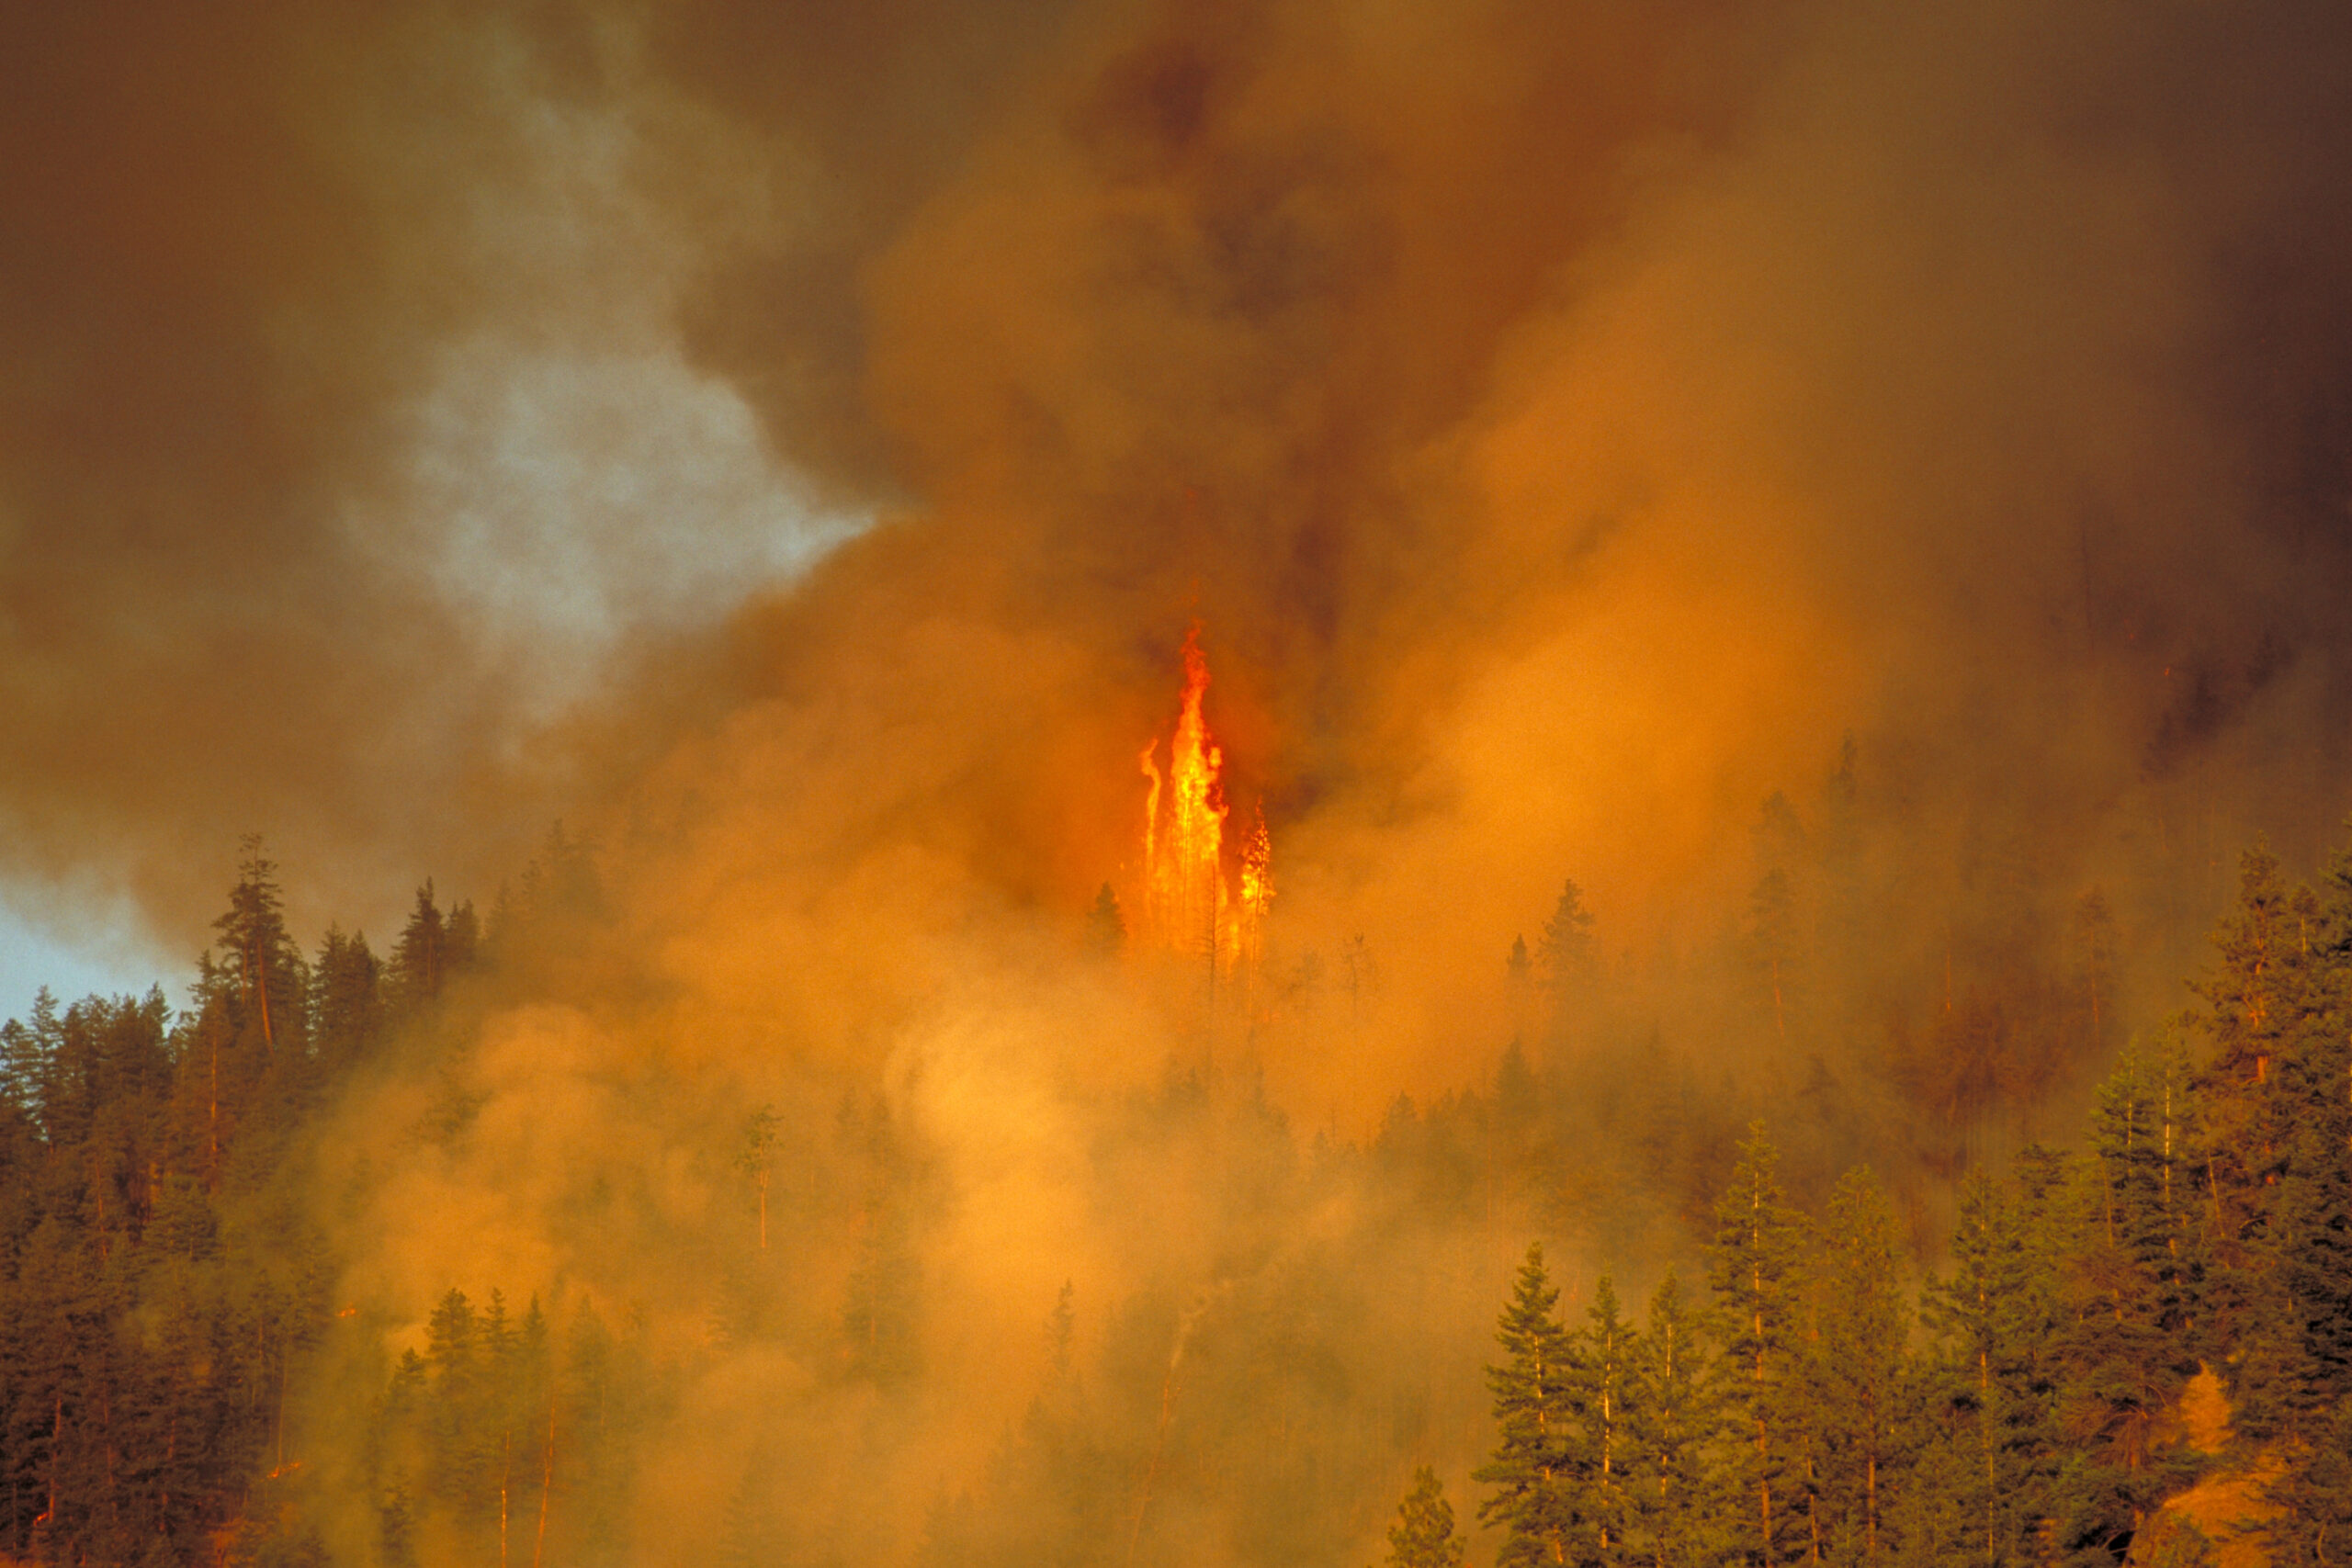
x,y
1567,425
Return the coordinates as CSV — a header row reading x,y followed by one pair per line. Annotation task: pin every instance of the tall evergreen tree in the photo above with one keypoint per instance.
x,y
1568,965
2260,996
26,1051
2312,1246
1991,1393
2130,1297
1752,1269
420,960
1542,1460
346,997
264,967
1609,1395
1675,1422
1855,1374
2313,1225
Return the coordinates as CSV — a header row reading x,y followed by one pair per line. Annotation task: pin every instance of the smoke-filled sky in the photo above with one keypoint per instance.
x,y
790,442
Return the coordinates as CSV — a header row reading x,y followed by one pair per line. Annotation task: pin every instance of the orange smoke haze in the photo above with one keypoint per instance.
x,y
1667,367
788,444
1573,426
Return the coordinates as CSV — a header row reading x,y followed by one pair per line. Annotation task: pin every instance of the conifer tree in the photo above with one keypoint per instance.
x,y
2314,1218
1541,1463
42,1043
1674,1421
1991,1394
461,938
25,1054
264,968
2129,1296
2312,1246
1423,1535
1610,1393
1567,959
458,1389
420,960
2260,997
346,997
1854,1369
2314,1495
1752,1269
1567,965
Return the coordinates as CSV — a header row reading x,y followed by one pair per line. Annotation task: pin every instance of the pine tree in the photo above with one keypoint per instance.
x,y
2261,998
263,966
2311,1250
1423,1535
25,1059
1991,1393
2314,1495
39,1052
1752,1271
1541,1462
2130,1297
460,1385
1565,949
1567,962
1674,1423
1611,1349
2314,1223
461,938
420,961
1854,1373
346,997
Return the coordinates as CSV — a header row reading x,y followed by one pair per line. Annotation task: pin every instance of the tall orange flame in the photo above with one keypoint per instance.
x,y
1187,905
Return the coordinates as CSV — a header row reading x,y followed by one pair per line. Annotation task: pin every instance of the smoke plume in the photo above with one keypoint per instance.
x,y
1667,446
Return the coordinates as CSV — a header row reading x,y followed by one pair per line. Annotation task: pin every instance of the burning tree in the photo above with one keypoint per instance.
x,y
1189,903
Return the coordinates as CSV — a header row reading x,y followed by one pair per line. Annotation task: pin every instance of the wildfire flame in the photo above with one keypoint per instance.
x,y
1187,904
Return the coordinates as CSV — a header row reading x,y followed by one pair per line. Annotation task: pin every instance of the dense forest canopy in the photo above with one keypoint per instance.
x,y
2134,1342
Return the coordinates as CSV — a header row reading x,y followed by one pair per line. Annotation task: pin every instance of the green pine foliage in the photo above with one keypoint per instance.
x,y
1611,1400
1675,1436
1423,1535
1753,1268
2133,1282
1543,1459
1989,1442
1854,1365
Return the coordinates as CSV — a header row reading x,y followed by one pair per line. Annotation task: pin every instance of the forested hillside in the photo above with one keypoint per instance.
x,y
182,1384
